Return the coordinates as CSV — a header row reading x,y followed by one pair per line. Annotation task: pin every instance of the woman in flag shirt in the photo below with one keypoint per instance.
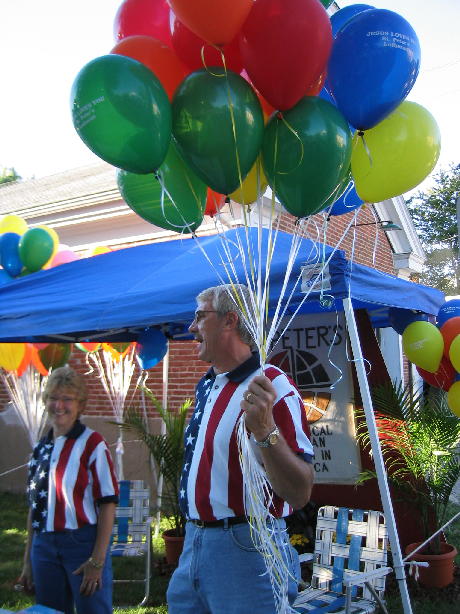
x,y
73,493
220,571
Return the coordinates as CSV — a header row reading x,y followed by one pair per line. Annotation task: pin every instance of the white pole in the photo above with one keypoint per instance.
x,y
164,401
398,564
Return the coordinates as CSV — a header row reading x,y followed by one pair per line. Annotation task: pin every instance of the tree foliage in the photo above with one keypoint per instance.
x,y
434,212
7,175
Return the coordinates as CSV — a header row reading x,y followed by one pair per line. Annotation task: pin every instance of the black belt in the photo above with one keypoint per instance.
x,y
224,522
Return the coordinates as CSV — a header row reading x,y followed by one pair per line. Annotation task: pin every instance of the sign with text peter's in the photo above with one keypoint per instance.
x,y
313,351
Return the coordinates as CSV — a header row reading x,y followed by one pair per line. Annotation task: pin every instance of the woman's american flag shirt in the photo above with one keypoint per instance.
x,y
67,477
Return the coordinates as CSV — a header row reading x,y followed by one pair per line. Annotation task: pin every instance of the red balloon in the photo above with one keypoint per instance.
x,y
449,330
315,88
214,202
189,46
157,56
266,107
444,376
216,21
149,17
285,46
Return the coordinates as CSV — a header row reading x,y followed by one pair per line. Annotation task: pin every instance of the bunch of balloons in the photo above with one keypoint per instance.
x,y
434,347
17,357
150,348
181,103
24,250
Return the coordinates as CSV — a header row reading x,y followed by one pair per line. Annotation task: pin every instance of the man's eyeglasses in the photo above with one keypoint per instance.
x,y
200,314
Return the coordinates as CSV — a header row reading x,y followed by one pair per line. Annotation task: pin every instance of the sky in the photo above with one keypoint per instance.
x,y
44,44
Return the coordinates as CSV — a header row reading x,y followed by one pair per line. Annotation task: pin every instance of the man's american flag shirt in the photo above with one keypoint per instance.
x,y
212,482
67,477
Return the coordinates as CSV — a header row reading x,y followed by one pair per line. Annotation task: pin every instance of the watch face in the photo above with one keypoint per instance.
x,y
273,439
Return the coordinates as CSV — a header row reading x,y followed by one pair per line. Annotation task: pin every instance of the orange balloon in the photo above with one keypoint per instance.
x,y
157,56
449,330
214,202
26,360
217,21
36,360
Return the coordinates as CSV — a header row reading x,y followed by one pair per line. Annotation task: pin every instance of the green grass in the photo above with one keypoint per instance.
x,y
12,538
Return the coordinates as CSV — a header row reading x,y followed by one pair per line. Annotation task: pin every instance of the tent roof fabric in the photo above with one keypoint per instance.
x,y
114,296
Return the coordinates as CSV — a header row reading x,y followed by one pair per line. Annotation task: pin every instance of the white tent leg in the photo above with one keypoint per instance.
x,y
377,455
164,401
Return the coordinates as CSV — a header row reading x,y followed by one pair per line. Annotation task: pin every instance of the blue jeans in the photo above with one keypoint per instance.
x,y
221,572
55,556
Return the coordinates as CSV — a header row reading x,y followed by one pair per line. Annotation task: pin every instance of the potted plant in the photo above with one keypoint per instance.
x,y
167,451
419,438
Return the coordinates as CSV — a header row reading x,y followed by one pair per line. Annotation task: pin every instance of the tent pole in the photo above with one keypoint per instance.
x,y
164,402
398,564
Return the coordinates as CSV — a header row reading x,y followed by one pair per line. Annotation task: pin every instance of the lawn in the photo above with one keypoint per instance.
x,y
12,538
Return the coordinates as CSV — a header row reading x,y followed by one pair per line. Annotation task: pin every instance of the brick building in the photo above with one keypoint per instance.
x,y
85,208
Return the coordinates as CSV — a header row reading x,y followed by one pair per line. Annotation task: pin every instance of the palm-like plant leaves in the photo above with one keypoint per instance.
x,y
166,449
419,439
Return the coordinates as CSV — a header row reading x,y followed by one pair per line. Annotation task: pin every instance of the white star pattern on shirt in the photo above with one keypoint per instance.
x,y
44,512
182,493
48,445
32,462
42,493
189,440
32,485
196,415
46,456
42,474
35,524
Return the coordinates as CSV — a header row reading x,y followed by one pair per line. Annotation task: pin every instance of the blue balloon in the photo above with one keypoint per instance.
x,y
343,16
450,309
374,63
401,318
4,278
347,201
9,253
152,346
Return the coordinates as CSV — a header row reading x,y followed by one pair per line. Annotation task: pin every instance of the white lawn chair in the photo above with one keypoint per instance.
x,y
349,563
132,528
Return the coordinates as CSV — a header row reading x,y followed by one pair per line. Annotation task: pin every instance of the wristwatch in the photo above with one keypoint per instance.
x,y
270,440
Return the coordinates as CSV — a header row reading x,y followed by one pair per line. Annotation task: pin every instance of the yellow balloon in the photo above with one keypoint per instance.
x,y
395,155
253,186
11,355
454,353
423,344
13,223
54,235
99,249
453,398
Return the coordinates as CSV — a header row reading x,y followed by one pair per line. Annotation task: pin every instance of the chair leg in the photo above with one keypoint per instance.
x,y
148,566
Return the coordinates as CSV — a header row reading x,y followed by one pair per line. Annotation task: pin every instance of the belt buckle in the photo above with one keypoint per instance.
x,y
200,523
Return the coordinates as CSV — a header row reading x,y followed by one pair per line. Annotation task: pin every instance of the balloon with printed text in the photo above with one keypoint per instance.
x,y
374,63
122,113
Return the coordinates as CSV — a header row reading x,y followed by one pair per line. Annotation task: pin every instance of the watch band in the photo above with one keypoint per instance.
x,y
270,440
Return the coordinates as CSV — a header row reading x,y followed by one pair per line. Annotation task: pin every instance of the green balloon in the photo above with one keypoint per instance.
x,y
182,210
306,155
35,248
55,355
122,113
218,125
326,3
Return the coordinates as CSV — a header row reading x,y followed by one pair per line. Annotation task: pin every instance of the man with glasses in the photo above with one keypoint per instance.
x,y
220,570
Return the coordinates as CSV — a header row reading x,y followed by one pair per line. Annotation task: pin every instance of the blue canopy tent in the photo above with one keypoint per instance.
x,y
114,296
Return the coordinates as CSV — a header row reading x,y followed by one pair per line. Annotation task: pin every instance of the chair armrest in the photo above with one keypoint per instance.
x,y
305,557
363,577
